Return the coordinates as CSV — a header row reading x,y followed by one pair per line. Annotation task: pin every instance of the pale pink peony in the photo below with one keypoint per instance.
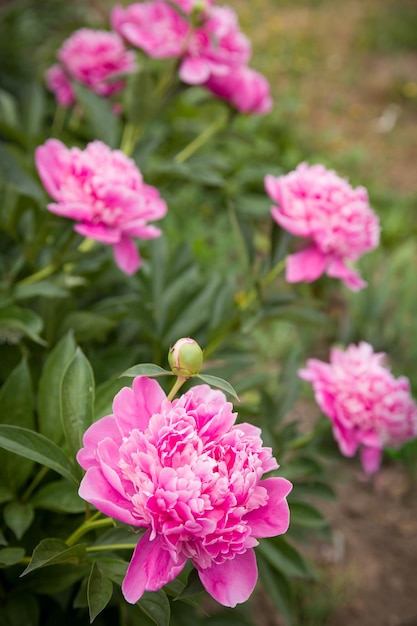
x,y
185,472
215,49
93,58
103,191
317,204
245,89
368,407
155,27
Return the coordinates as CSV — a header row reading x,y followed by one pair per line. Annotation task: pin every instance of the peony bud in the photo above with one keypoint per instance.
x,y
185,357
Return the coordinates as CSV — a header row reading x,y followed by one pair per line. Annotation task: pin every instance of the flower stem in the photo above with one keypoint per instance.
x,y
131,134
88,525
246,300
35,482
177,386
200,140
111,546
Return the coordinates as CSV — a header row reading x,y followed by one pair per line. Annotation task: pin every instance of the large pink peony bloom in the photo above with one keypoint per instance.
x,y
368,407
315,203
192,478
94,58
103,191
245,89
154,26
215,49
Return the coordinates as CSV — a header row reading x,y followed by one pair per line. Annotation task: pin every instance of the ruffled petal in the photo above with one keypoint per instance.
x,y
306,265
233,581
134,407
352,280
126,255
95,489
274,517
194,71
150,568
99,232
51,163
72,210
103,428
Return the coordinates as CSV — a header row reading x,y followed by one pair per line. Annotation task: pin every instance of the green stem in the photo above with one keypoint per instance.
x,y
176,387
247,299
35,482
200,140
41,274
131,134
88,525
58,121
111,546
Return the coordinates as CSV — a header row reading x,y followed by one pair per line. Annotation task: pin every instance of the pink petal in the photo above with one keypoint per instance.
x,y
50,159
134,408
273,518
126,255
150,568
98,232
306,265
233,581
103,428
346,439
194,71
370,459
78,212
338,269
95,489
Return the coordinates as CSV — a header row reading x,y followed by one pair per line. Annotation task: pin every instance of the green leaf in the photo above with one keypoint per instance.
x,y
283,557
52,551
21,323
11,556
56,578
12,172
36,447
99,592
104,396
77,400
8,109
146,369
87,325
304,514
155,605
102,120
49,385
58,496
316,489
42,288
21,609
114,569
215,381
18,517
17,407
139,103
278,588
193,586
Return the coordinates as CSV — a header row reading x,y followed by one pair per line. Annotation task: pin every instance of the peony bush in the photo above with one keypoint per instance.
x,y
162,502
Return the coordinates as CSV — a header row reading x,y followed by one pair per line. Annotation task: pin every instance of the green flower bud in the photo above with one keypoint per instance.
x,y
185,357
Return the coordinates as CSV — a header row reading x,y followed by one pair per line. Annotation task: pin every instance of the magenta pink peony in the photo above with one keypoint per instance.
x,y
368,407
191,477
97,59
155,27
103,191
245,89
315,203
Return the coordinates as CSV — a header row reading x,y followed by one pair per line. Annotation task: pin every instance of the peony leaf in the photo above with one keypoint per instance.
x,y
77,400
283,557
215,381
11,556
103,122
19,322
58,496
155,605
50,379
52,551
36,447
278,588
99,592
18,517
306,515
146,369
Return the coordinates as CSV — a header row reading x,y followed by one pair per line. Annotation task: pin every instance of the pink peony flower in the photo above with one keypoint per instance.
x,y
315,203
215,49
155,27
188,6
245,89
94,58
368,407
185,472
103,191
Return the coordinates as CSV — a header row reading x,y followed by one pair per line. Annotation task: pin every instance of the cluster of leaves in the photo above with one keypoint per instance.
x,y
71,324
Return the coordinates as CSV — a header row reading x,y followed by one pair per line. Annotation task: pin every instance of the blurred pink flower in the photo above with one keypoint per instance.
x,y
103,191
317,204
155,27
245,89
368,407
94,58
215,49
192,478
188,6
